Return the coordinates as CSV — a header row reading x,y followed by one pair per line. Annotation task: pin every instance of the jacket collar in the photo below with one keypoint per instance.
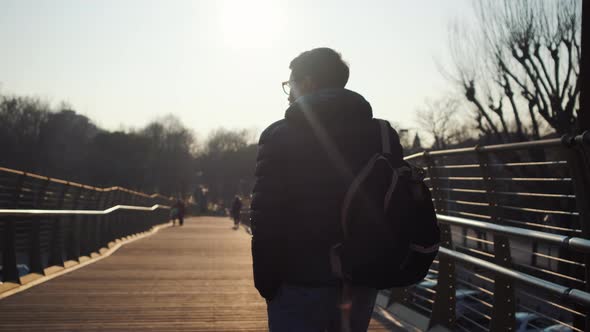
x,y
330,105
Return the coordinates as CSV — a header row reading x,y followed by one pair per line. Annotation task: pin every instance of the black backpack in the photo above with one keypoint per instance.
x,y
390,231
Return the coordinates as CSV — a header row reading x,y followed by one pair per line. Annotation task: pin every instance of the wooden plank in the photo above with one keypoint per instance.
x,y
192,278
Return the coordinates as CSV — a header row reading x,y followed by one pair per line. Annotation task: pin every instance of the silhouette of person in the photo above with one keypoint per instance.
x,y
304,167
179,206
173,214
236,208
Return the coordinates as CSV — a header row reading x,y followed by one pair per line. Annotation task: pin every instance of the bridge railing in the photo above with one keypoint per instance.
x,y
515,227
47,222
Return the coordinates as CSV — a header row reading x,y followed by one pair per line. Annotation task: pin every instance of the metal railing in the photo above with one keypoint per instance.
x,y
46,222
516,237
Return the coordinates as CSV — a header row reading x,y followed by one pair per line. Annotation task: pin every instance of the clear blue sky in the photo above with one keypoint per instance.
x,y
219,62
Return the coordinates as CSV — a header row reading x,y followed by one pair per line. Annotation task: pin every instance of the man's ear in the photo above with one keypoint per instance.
x,y
308,85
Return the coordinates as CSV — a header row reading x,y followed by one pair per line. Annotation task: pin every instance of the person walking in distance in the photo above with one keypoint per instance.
x,y
173,214
236,208
180,209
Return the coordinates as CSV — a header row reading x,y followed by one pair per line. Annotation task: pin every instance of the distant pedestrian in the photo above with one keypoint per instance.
x,y
173,215
236,208
179,206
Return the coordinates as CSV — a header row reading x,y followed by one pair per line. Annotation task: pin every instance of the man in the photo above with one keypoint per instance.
x,y
305,164
236,209
180,211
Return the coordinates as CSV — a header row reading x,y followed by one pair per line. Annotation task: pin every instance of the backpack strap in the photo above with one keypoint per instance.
x,y
353,189
385,141
345,305
365,171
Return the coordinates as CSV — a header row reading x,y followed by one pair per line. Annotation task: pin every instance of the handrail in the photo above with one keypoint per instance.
x,y
565,140
559,290
21,212
68,220
79,185
569,242
536,183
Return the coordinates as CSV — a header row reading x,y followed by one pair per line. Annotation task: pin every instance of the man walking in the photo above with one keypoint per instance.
x,y
179,206
236,209
305,164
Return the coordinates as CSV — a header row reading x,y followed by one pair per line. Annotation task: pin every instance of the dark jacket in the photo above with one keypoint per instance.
x,y
180,206
305,164
236,207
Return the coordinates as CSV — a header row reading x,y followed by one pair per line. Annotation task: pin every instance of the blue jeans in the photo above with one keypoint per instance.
x,y
304,309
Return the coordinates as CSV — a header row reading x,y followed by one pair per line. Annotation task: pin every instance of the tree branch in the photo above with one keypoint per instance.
x,y
534,122
536,76
510,94
538,87
470,95
578,50
544,110
569,69
556,67
499,111
537,55
505,69
573,97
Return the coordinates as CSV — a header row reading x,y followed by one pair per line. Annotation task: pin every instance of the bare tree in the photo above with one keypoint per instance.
x,y
21,123
226,164
223,140
522,57
437,118
172,152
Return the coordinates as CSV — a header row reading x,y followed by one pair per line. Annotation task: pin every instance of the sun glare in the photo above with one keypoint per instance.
x,y
249,24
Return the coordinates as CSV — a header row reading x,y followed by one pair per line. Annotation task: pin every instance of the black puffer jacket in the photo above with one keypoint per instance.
x,y
305,164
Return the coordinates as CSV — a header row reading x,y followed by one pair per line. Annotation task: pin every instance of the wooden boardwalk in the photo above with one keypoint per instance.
x,y
192,278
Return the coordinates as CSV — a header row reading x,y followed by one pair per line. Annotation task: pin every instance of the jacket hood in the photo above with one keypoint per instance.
x,y
330,106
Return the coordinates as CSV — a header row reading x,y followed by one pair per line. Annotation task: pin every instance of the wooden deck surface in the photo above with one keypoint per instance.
x,y
192,278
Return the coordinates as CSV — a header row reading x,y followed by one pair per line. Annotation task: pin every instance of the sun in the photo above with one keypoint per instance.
x,y
249,23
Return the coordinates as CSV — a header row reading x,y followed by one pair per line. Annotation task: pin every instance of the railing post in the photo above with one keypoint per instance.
x,y
9,269
108,231
149,215
95,225
133,216
128,216
83,225
35,259
504,305
100,220
92,223
9,262
578,160
399,295
116,216
73,251
122,216
161,215
56,256
443,308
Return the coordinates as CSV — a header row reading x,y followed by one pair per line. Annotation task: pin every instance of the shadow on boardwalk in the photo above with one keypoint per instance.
x,y
192,278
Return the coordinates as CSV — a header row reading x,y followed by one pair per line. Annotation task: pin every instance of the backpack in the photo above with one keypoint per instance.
x,y
390,232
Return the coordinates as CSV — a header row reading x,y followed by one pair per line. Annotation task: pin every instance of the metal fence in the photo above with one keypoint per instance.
x,y
516,237
46,222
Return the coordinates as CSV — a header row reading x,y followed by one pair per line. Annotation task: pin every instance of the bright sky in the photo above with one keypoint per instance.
x,y
217,63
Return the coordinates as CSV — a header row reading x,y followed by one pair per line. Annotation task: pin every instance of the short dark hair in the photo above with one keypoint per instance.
x,y
324,65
